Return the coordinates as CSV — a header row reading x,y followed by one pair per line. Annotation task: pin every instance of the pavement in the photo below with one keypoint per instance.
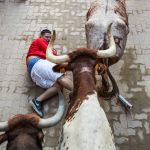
x,y
22,20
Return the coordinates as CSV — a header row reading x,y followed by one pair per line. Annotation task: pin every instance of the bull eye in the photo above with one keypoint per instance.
x,y
118,41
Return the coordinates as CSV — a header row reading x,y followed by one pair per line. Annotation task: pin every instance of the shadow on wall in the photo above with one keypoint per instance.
x,y
131,74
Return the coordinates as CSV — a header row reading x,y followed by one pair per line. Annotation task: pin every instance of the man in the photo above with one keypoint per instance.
x,y
41,71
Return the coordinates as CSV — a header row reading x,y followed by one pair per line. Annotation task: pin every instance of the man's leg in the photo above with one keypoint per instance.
x,y
37,102
65,82
49,92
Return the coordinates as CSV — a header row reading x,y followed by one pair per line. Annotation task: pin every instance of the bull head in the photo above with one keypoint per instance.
x,y
100,15
23,133
110,52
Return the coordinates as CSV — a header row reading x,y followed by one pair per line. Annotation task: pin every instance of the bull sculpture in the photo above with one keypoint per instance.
x,y
100,15
24,132
86,126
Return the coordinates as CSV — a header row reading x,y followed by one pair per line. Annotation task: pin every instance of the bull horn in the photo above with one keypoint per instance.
x,y
49,122
49,54
111,51
4,126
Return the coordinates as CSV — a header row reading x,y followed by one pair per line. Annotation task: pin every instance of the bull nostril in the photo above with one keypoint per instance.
x,y
105,42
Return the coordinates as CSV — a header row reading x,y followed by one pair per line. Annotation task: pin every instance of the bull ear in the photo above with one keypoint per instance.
x,y
3,138
61,68
100,68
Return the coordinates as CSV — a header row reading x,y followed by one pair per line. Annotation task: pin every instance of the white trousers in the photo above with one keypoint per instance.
x,y
43,75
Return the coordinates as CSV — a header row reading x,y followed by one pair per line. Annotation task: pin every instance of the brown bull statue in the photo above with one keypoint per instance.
x,y
24,132
86,126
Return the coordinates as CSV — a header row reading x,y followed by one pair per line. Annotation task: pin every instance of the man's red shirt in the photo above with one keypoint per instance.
x,y
38,48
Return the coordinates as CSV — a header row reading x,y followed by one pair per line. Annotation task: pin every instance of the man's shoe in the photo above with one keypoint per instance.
x,y
37,106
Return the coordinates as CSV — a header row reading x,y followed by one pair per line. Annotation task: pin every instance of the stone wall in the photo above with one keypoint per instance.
x,y
22,20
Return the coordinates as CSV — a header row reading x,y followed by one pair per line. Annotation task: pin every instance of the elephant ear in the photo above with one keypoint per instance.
x,y
3,138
